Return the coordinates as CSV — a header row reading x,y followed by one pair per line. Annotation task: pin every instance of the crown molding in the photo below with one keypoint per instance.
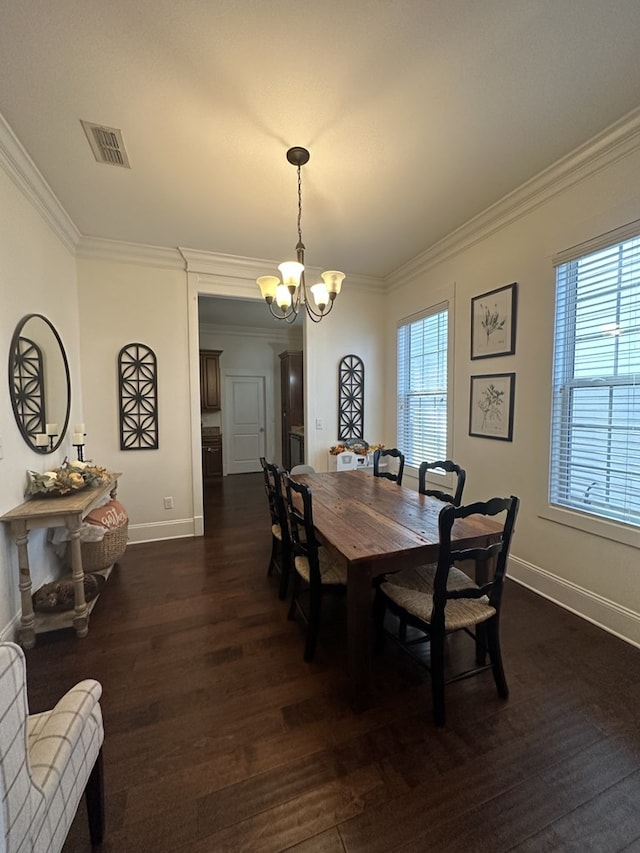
x,y
232,268
612,144
228,266
25,174
239,273
116,251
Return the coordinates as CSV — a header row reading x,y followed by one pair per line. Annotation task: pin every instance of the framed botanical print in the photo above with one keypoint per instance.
x,y
493,322
491,404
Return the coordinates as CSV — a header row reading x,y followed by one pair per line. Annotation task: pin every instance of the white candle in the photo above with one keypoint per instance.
x,y
78,438
52,429
41,439
79,428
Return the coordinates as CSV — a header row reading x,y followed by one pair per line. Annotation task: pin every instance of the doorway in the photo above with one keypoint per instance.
x,y
244,423
250,341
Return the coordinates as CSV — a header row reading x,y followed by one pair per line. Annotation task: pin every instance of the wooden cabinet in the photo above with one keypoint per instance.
x,y
296,448
210,379
211,457
292,399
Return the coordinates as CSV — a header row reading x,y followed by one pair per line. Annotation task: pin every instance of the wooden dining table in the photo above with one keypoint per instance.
x,y
378,527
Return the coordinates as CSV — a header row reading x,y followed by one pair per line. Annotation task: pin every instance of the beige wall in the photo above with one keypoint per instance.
x,y
353,328
122,303
37,275
597,576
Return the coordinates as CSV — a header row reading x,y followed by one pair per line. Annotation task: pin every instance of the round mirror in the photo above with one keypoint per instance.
x,y
39,383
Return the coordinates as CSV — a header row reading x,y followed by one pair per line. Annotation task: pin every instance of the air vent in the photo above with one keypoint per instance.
x,y
107,144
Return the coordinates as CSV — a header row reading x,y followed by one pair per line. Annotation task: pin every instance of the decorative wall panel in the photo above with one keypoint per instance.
x,y
350,398
28,386
138,386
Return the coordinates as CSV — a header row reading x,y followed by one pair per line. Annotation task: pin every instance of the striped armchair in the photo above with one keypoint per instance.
x,y
47,761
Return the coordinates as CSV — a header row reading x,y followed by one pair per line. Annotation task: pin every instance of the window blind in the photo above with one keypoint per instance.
x,y
595,446
422,385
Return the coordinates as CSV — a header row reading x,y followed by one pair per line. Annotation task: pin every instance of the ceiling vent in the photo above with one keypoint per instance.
x,y
107,144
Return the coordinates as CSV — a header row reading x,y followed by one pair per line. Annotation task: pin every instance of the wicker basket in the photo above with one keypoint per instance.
x,y
101,555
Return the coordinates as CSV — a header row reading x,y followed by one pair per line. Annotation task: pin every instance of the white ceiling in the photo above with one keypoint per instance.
x,y
418,114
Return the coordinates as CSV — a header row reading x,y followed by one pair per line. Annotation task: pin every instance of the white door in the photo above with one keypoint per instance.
x,y
244,434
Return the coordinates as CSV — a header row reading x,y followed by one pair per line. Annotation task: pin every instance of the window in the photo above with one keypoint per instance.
x,y
595,438
423,385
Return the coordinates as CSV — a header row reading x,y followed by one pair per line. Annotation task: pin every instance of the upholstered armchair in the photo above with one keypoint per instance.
x,y
47,761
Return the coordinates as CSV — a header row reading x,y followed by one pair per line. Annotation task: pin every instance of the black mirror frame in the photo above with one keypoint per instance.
x,y
14,403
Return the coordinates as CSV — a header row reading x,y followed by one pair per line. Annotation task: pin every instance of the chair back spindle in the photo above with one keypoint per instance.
x,y
388,453
451,468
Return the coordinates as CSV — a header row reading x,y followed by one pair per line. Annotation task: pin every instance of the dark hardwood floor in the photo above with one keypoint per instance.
x,y
220,738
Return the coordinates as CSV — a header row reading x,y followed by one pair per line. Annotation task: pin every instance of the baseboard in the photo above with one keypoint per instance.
x,y
179,528
606,614
9,633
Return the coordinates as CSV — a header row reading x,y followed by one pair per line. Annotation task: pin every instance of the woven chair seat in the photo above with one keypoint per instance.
x,y
415,595
421,578
276,531
332,571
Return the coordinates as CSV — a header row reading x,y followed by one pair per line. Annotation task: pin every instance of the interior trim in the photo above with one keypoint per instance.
x,y
25,174
606,614
615,142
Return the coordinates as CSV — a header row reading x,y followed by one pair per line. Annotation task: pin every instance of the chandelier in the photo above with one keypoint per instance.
x,y
290,293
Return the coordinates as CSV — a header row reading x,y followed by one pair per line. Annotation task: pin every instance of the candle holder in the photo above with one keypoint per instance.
x,y
78,441
42,442
52,437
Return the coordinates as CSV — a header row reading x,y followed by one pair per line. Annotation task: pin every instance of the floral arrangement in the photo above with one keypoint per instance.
x,y
69,477
359,451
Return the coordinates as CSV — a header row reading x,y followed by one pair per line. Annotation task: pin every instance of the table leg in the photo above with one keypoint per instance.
x,y
27,619
359,633
81,617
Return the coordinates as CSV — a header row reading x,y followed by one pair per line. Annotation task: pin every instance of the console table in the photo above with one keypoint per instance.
x,y
64,511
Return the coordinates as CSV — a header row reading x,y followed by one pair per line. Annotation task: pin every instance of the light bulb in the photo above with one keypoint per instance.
x,y
320,294
283,297
291,272
268,285
333,280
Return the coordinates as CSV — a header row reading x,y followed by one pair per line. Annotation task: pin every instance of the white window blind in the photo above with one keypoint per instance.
x,y
422,385
595,446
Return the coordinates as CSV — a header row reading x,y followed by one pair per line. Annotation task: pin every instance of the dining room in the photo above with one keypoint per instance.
x,y
219,736
473,170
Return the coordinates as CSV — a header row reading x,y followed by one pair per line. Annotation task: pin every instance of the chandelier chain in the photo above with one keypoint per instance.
x,y
299,206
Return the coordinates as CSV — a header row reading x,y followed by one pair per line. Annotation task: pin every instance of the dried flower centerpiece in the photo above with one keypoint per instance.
x,y
353,446
69,477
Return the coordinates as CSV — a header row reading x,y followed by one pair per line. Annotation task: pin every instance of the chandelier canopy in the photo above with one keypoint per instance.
x,y
290,293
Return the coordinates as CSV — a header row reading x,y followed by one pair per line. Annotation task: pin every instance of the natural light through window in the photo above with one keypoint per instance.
x,y
595,450
423,385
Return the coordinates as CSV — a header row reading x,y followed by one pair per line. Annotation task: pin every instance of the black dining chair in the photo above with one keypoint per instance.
x,y
280,558
388,453
451,468
314,567
407,577
450,601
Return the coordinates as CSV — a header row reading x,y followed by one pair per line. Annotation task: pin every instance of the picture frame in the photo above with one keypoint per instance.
x,y
491,405
493,322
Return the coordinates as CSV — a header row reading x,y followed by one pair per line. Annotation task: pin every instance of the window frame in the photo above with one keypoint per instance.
x,y
444,303
566,379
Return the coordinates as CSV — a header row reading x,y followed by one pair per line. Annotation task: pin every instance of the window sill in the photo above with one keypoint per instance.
x,y
622,533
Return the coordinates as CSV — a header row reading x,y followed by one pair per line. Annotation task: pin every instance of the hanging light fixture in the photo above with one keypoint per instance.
x,y
290,293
